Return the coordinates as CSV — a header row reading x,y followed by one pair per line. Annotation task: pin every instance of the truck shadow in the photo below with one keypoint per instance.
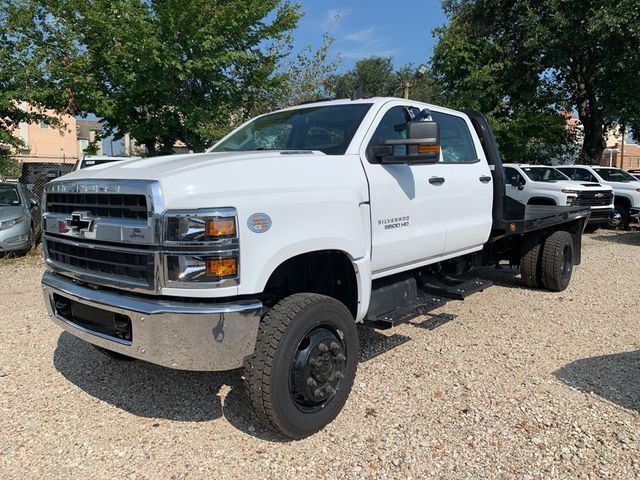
x,y
504,276
374,343
612,377
151,391
625,238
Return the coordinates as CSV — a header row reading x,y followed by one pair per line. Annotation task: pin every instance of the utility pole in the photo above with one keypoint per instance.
x,y
407,88
624,128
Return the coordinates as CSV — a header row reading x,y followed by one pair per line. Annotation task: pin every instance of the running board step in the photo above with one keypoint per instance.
x,y
425,303
458,291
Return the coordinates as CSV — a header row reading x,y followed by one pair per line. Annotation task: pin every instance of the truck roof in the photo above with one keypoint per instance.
x,y
376,101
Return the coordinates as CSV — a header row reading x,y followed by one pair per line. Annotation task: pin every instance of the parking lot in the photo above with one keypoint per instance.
x,y
511,383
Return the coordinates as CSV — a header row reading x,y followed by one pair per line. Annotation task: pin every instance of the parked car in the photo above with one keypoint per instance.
x,y
635,173
625,186
543,185
19,218
93,160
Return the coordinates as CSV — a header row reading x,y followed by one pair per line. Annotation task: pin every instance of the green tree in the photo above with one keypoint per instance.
x,y
374,76
27,85
527,59
161,70
307,74
9,166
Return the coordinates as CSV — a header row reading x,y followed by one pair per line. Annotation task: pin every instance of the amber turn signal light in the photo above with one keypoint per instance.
x,y
222,268
429,149
221,227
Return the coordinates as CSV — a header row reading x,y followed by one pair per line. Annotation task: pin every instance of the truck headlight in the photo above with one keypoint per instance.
x,y
10,223
200,227
571,201
197,268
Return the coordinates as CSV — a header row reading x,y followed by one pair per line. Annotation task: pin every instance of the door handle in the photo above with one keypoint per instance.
x,y
436,180
485,178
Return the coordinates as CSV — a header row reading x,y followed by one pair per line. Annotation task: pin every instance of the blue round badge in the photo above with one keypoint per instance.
x,y
259,222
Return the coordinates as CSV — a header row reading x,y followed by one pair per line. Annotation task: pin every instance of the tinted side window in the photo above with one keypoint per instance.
x,y
456,142
393,126
583,175
512,176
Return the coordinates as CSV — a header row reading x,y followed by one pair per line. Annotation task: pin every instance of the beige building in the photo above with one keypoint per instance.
x,y
46,143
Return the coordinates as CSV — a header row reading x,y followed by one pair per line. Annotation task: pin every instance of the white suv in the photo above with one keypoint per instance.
x,y
543,185
625,186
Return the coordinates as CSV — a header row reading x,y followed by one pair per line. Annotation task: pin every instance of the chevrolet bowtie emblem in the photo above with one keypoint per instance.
x,y
79,222
599,195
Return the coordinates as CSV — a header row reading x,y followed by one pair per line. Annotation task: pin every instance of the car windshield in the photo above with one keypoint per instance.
x,y
9,196
93,162
615,175
328,129
544,174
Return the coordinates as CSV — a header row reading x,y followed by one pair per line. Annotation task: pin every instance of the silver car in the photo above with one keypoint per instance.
x,y
19,218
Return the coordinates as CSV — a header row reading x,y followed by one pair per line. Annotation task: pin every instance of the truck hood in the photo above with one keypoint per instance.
x,y
227,178
588,186
630,186
158,168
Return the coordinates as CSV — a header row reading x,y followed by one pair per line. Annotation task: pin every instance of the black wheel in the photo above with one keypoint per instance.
x,y
531,261
557,261
114,355
32,241
304,364
625,217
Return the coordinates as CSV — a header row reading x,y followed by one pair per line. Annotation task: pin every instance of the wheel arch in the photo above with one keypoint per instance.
x,y
328,272
622,200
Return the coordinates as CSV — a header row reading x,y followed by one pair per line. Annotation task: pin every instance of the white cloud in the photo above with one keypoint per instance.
x,y
366,53
364,36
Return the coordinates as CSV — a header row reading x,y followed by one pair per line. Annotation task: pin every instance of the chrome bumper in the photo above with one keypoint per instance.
x,y
184,336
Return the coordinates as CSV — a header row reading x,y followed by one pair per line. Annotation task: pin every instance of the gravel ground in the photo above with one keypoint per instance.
x,y
510,383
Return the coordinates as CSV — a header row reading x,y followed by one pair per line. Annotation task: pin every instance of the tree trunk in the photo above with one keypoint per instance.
x,y
590,116
150,143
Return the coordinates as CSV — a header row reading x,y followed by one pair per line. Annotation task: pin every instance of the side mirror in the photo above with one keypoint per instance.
x,y
520,185
421,146
33,203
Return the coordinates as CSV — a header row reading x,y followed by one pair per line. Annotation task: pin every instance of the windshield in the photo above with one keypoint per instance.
x,y
544,174
93,162
327,128
9,196
615,175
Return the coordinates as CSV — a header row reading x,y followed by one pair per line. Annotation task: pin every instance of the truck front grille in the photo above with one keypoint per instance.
x,y
131,267
594,199
107,205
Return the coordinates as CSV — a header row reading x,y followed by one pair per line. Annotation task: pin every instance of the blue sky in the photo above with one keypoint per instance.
x,y
362,28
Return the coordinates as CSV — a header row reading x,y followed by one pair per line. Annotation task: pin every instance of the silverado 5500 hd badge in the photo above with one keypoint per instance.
x,y
394,222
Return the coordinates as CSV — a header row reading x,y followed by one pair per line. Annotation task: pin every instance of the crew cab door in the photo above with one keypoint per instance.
x,y
408,201
514,178
469,193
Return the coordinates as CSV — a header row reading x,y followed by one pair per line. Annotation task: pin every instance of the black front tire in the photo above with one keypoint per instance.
x,y
625,217
557,261
304,364
32,241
